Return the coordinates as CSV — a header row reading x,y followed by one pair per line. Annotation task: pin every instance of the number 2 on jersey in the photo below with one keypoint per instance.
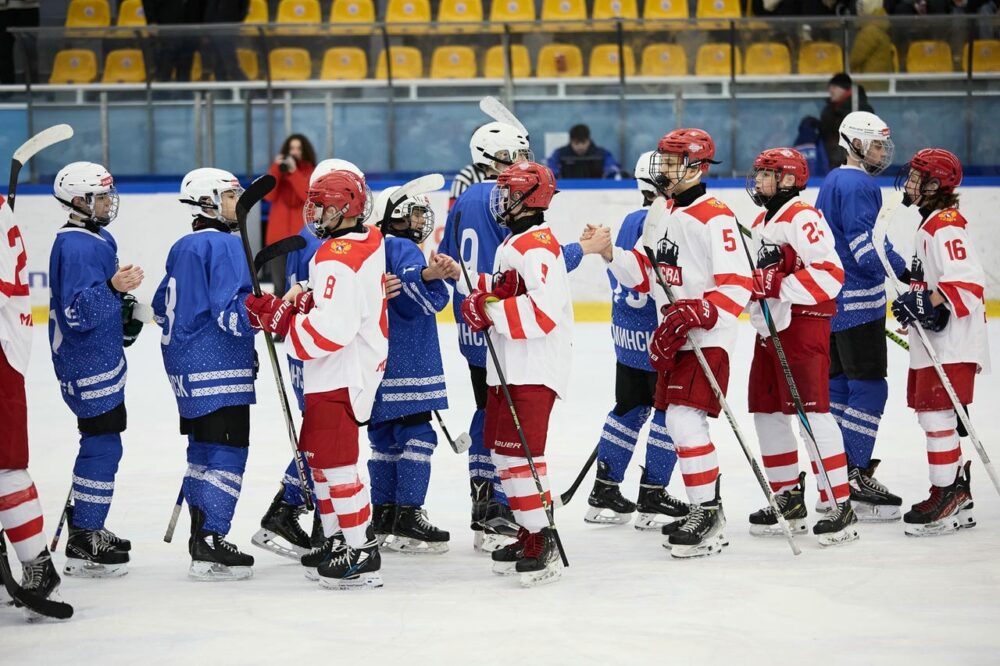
x,y
812,233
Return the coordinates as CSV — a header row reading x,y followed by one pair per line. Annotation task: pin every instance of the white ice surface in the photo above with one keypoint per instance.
x,y
886,599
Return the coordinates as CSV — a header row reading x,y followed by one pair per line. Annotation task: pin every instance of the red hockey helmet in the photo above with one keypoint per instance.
x,y
343,191
694,145
939,172
782,162
527,183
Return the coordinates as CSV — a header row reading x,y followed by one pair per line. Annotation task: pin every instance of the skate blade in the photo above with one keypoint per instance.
x,y
645,522
359,582
408,546
213,572
844,536
487,543
268,541
795,526
596,516
505,568
949,525
384,540
549,574
311,573
876,513
965,517
88,569
713,546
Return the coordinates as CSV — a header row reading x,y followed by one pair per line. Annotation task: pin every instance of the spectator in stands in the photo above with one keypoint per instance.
x,y
292,168
221,48
174,52
838,105
872,48
582,158
800,7
919,7
17,14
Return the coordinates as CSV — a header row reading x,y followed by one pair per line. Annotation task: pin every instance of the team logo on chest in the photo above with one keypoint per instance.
x,y
340,247
543,237
666,261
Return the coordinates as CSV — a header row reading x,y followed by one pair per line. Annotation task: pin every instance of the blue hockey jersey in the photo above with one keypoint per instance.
x,y
85,321
633,315
479,236
297,270
207,340
850,201
414,376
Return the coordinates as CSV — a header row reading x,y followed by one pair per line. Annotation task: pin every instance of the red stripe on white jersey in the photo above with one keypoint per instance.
x,y
514,319
319,340
723,302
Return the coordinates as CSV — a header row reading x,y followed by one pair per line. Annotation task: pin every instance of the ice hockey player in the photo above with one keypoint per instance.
x,y
946,300
850,200
280,531
20,510
529,308
798,275
209,358
400,431
339,327
698,255
495,146
633,320
86,333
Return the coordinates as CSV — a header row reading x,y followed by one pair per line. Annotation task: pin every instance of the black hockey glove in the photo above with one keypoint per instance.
x,y
130,326
915,306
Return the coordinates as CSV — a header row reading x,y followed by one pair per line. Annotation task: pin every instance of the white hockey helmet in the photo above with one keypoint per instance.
x,y
334,164
642,178
399,220
86,180
872,133
498,145
202,190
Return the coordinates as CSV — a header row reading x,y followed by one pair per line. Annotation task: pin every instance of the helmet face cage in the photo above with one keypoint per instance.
x,y
506,157
756,177
312,214
499,200
402,221
666,176
112,213
875,154
216,204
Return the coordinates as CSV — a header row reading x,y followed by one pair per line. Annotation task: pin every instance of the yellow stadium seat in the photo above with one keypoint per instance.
x,y
564,10
74,66
298,11
257,12
895,58
289,64
718,9
985,56
520,62
612,9
249,63
928,56
196,67
714,60
820,58
124,66
559,60
766,58
130,13
510,11
344,63
664,60
408,16
460,11
453,62
352,11
88,14
604,61
407,63
658,10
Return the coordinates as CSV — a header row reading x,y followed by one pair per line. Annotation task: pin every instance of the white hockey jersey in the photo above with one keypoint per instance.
x,y
818,276
943,259
533,332
699,255
344,340
15,304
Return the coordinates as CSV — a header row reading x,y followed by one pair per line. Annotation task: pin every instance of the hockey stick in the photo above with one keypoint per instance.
x,y
564,499
278,249
461,443
496,110
62,520
800,411
29,149
250,198
648,241
47,607
878,240
168,536
510,404
387,201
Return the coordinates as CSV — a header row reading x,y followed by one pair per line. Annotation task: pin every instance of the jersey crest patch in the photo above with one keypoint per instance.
x,y
667,253
340,247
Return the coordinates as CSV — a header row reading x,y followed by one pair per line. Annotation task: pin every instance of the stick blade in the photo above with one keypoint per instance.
x,y
462,443
496,110
41,141
256,191
278,249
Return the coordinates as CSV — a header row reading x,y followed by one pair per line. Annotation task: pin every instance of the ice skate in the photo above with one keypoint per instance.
x,y
963,491
607,505
353,568
702,532
89,555
872,502
539,564
39,577
838,526
321,553
655,506
939,514
500,519
485,539
213,558
115,541
505,558
383,516
282,522
414,534
764,523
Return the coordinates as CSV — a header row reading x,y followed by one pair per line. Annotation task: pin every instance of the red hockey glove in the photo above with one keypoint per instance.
x,y
270,313
689,313
767,282
304,302
663,348
508,285
474,310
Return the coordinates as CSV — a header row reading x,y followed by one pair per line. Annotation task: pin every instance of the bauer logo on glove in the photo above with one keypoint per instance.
x,y
269,313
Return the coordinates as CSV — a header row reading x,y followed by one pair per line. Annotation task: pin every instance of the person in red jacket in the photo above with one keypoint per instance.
x,y
292,168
